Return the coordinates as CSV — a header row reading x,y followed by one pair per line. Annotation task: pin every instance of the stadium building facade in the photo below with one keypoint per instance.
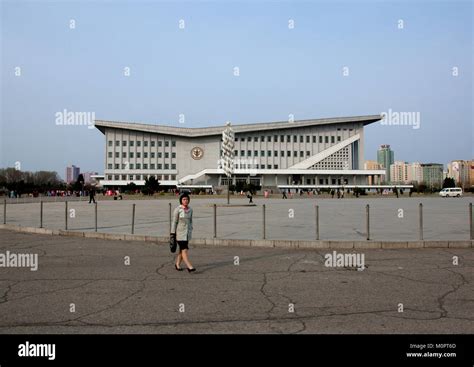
x,y
317,153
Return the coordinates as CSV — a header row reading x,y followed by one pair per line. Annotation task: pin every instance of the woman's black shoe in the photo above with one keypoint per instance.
x,y
176,267
191,270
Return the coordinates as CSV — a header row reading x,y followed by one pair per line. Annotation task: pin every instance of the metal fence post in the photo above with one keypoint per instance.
x,y
471,229
169,204
421,221
65,215
133,218
317,222
367,212
5,211
95,215
263,211
41,214
215,221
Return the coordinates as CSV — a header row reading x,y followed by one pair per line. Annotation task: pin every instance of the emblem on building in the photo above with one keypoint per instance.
x,y
197,153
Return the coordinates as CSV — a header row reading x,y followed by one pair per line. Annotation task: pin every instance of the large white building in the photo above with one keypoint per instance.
x,y
305,154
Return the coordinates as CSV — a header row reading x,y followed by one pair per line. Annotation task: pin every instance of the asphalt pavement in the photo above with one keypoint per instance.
x,y
85,285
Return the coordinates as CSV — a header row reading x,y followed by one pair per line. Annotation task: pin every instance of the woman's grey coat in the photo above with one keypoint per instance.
x,y
182,224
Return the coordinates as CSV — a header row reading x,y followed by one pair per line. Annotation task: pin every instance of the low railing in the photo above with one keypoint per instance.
x,y
221,219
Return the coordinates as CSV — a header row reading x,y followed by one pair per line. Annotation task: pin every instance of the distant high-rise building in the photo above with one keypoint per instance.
x,y
406,173
415,173
399,172
371,165
433,174
72,173
460,171
385,157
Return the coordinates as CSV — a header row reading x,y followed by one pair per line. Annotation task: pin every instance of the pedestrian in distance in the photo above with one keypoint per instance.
x,y
92,196
250,197
181,230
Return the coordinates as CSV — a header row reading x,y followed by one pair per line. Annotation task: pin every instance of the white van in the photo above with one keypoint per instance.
x,y
453,191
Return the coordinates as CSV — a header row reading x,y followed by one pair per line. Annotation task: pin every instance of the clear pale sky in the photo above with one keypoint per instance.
x,y
190,71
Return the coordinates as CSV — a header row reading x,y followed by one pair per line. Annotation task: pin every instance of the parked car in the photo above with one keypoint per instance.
x,y
451,191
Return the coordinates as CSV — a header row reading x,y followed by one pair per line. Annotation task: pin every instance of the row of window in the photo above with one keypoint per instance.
x,y
140,177
269,153
333,166
139,143
288,138
256,166
139,155
309,181
325,181
139,166
131,143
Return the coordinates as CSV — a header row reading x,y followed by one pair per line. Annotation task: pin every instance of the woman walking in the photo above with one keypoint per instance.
x,y
181,229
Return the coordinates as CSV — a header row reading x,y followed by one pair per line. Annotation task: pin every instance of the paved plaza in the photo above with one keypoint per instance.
x,y
87,285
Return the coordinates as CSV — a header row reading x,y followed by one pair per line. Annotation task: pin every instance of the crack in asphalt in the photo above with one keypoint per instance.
x,y
142,284
4,297
109,307
214,321
46,292
407,278
441,300
298,259
295,318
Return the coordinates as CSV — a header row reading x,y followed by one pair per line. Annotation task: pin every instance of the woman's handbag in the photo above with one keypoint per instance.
x,y
173,243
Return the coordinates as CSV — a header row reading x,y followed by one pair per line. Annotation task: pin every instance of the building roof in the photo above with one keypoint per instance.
x,y
242,128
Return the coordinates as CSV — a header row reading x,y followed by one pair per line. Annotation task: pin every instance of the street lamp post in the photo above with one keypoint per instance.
x,y
228,155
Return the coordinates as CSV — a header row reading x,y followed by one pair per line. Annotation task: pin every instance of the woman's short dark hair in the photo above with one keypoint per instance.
x,y
182,196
